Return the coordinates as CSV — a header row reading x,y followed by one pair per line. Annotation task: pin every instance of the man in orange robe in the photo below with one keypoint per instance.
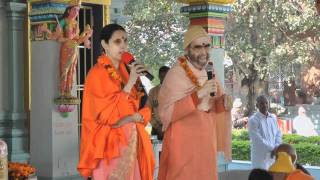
x,y
196,125
104,105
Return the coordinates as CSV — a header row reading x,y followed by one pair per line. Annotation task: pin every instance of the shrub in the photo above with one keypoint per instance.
x,y
240,134
308,148
241,150
308,153
313,140
293,138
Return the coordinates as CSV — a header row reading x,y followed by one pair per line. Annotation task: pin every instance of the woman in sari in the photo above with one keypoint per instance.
x,y
114,143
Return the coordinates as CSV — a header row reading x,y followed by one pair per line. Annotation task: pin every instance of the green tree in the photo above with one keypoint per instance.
x,y
263,35
155,29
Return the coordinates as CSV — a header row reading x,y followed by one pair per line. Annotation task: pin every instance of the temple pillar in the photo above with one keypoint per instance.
x,y
13,120
211,15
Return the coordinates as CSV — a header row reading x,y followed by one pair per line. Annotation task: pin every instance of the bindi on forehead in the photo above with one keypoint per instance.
x,y
124,38
120,40
201,44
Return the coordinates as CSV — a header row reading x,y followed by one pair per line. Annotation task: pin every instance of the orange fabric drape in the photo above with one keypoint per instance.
x,y
299,175
104,103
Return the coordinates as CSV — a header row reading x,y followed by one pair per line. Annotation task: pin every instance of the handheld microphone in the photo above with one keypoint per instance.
x,y
129,59
210,73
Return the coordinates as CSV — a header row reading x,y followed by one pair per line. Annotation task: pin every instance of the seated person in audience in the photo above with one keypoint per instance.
x,y
285,166
289,149
260,174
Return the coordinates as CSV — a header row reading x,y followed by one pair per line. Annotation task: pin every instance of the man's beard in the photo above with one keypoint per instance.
x,y
198,61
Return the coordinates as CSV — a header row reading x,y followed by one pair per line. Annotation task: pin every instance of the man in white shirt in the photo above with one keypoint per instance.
x,y
303,125
264,134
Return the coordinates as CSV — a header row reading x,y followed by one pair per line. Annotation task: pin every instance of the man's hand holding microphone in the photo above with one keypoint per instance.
x,y
208,90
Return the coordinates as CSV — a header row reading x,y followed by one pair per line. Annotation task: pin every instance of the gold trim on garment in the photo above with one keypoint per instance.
x,y
127,161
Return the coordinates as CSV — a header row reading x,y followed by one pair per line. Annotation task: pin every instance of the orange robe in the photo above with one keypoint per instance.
x,y
192,138
104,103
299,175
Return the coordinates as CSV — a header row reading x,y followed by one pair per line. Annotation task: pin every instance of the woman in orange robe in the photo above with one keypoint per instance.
x,y
114,143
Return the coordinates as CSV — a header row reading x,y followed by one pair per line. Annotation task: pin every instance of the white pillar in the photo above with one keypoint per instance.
x,y
54,140
217,55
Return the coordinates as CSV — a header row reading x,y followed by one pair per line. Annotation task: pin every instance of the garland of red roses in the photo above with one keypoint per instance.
x,y
190,74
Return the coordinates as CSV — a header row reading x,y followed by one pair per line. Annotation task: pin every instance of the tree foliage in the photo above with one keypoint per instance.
x,y
263,35
155,29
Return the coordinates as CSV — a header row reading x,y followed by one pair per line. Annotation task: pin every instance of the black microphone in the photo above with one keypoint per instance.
x,y
129,59
210,74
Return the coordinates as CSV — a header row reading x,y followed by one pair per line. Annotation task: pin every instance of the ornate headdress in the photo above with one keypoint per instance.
x,y
75,2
